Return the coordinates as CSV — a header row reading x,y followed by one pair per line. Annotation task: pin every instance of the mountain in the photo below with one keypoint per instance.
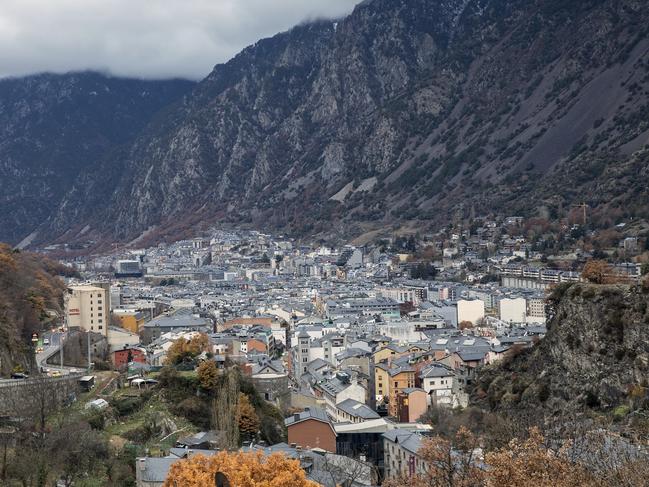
x,y
593,361
53,127
404,113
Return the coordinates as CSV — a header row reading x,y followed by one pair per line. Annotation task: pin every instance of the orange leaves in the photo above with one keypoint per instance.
x,y
596,271
182,349
208,375
241,469
529,462
247,417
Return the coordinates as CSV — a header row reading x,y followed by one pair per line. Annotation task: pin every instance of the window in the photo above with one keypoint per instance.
x,y
305,359
396,384
100,327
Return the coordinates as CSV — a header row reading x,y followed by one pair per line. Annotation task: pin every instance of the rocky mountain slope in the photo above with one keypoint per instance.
x,y
593,360
404,111
52,127
31,295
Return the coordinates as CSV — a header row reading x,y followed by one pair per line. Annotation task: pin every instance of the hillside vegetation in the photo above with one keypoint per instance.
x,y
31,296
592,366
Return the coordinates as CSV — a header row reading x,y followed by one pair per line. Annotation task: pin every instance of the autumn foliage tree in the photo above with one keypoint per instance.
x,y
241,469
596,271
208,375
182,349
465,325
247,417
530,462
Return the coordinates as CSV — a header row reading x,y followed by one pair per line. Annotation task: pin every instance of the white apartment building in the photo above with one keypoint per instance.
x,y
470,310
88,308
536,310
513,310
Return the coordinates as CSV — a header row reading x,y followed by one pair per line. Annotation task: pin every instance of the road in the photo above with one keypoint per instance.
x,y
55,338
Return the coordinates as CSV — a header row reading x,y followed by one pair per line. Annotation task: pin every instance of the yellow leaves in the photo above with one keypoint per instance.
x,y
182,349
241,469
247,417
529,462
7,263
597,272
208,375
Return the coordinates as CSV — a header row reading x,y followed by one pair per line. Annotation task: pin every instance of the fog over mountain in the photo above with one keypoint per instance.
x,y
157,39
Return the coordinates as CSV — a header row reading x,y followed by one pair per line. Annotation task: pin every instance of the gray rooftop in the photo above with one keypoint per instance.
x,y
310,413
357,409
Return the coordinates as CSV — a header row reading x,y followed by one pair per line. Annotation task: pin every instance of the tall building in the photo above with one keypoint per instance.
x,y
87,308
128,268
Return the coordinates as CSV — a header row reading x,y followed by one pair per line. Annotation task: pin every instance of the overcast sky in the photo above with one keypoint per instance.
x,y
143,38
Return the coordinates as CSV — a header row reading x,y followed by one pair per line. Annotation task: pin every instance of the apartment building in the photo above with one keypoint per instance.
x,y
87,308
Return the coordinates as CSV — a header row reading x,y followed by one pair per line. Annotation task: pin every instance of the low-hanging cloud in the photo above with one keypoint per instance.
x,y
143,38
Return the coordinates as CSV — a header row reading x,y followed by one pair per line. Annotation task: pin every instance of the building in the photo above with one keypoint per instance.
x,y
353,411
536,310
121,358
87,308
437,381
131,320
513,310
271,382
411,403
311,429
339,388
471,310
128,268
401,457
182,320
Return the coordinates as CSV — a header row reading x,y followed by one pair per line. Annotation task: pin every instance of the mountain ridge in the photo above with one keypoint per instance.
x,y
402,113
52,127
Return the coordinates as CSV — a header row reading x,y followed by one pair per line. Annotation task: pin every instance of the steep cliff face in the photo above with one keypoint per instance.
x,y
52,127
404,112
595,357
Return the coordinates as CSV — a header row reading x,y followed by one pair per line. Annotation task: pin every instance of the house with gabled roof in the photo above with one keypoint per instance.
x,y
311,428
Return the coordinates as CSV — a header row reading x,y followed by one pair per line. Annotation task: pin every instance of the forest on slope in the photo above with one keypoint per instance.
x,y
31,297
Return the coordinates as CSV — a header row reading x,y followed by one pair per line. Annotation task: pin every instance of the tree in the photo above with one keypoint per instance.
x,y
596,271
182,350
247,417
225,408
529,462
241,469
447,464
208,375
426,271
465,325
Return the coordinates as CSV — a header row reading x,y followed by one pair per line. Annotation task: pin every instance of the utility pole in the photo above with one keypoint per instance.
x,y
89,354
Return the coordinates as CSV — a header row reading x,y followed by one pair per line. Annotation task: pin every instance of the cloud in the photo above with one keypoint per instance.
x,y
143,38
